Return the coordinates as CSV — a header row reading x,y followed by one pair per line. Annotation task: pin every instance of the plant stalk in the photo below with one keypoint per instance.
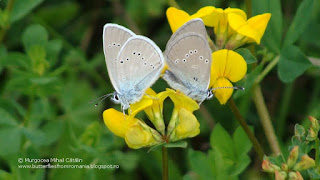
x,y
164,163
266,70
265,119
256,145
3,31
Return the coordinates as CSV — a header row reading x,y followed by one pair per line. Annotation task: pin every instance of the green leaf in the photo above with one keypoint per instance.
x,y
241,142
246,54
37,55
53,130
10,139
34,35
242,163
222,141
200,164
35,136
6,119
179,144
292,64
155,147
249,81
5,175
22,8
300,22
313,173
299,131
53,49
17,59
273,34
60,13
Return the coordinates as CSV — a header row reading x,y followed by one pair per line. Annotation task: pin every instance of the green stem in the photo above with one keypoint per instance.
x,y
266,70
317,152
249,8
284,108
256,145
173,3
265,119
164,163
8,9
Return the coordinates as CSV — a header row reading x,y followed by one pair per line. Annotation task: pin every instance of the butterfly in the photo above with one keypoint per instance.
x,y
188,57
133,62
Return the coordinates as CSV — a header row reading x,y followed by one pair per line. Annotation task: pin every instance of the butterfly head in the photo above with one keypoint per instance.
x,y
115,98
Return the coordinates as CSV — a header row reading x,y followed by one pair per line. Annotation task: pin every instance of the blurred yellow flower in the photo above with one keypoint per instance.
x,y
226,66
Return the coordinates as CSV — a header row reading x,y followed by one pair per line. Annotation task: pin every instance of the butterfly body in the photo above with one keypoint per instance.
x,y
134,63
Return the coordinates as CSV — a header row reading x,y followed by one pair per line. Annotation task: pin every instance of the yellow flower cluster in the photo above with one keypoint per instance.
x,y
138,134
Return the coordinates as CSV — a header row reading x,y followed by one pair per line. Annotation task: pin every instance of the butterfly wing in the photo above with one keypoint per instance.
x,y
114,37
139,65
194,25
189,60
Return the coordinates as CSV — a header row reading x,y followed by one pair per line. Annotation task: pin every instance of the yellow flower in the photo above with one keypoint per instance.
x,y
138,134
141,135
177,17
180,101
154,112
247,31
219,18
226,66
188,126
117,123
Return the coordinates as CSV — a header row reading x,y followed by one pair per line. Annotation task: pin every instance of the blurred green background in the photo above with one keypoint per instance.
x,y
52,65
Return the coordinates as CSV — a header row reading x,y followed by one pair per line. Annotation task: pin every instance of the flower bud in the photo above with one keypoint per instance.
x,y
284,167
292,159
295,176
280,175
305,163
314,129
268,167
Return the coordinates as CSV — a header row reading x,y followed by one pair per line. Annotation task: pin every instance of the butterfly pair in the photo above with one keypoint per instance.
x,y
135,62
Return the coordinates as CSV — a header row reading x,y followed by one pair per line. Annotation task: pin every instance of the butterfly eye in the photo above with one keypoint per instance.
x,y
207,61
119,45
139,54
187,55
195,51
142,58
134,53
109,46
113,44
145,63
127,59
121,62
116,97
184,60
190,52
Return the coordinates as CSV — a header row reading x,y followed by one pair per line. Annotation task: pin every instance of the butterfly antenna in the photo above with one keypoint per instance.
x,y
235,87
100,99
